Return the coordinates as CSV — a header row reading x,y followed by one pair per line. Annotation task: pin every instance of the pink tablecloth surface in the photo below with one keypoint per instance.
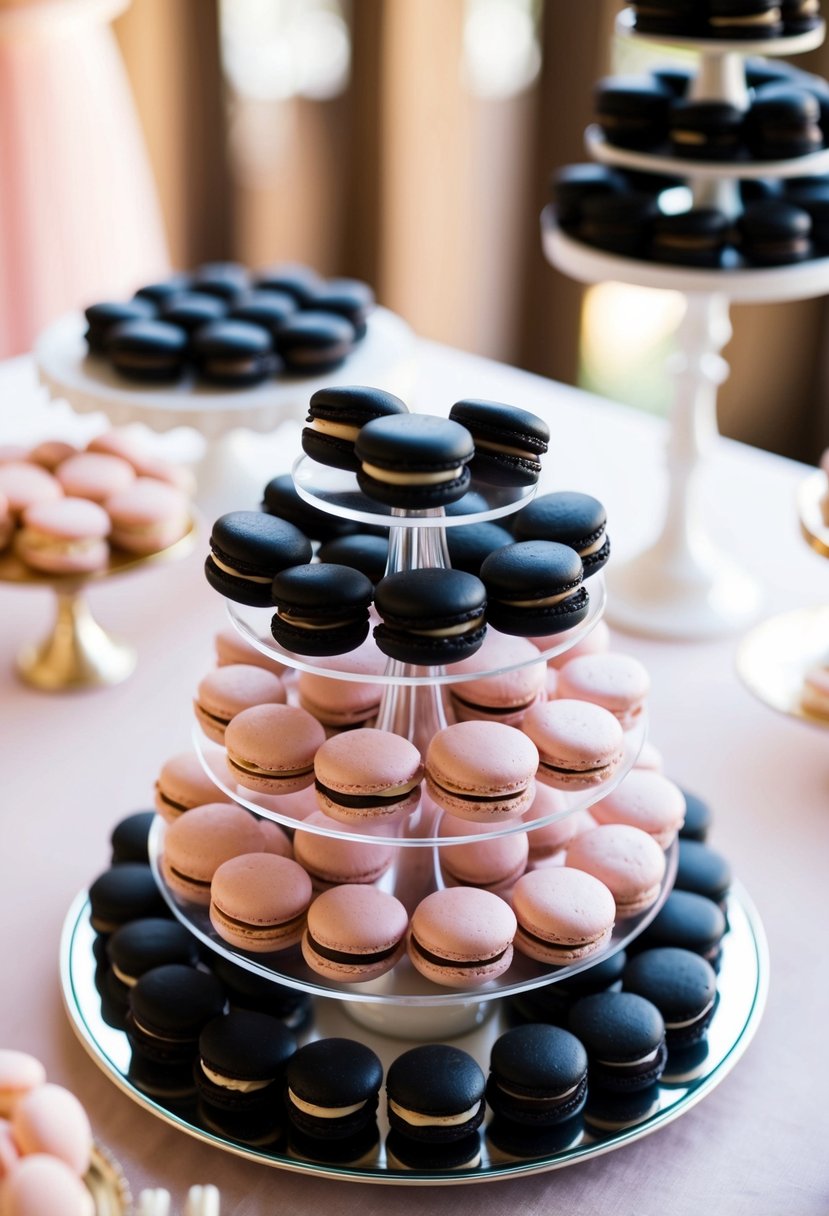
x,y
74,765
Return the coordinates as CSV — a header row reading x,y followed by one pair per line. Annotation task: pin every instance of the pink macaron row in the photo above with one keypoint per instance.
x,y
45,1142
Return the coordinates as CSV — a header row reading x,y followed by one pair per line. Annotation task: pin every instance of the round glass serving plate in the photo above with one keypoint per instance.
x,y
743,983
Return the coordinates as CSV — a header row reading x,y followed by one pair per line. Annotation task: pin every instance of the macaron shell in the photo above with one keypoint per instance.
x,y
469,932
64,536
492,864
645,800
258,902
19,1073
626,859
148,516
618,682
51,1120
370,763
547,841
225,692
51,452
44,1186
482,771
596,642
563,915
94,475
580,745
354,920
506,696
232,648
271,748
331,861
200,841
183,784
23,484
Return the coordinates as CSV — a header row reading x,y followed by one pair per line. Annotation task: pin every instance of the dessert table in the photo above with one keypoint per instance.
x,y
75,764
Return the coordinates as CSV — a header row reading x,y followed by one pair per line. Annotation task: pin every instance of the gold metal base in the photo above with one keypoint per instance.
x,y
106,1183
773,659
813,509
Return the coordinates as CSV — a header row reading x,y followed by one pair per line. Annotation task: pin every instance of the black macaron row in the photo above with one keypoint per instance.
x,y
785,118
232,328
780,229
726,20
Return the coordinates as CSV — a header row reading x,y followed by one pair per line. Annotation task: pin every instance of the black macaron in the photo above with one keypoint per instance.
x,y
685,18
608,1112
241,1061
348,298
516,1141
123,893
313,342
427,1156
292,279
799,16
698,237
360,1148
509,442
141,945
534,588
321,609
335,416
164,290
783,122
697,818
569,518
262,1128
814,199
430,617
414,461
681,984
552,1002
572,184
234,354
149,350
702,870
362,551
100,319
168,1082
744,19
280,498
169,1006
674,77
192,309
328,1076
435,1093
775,233
129,839
618,223
705,130
470,545
248,548
632,111
269,309
227,280
537,1075
624,1036
248,990
690,921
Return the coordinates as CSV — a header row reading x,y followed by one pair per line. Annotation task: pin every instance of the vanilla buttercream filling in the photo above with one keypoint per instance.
x,y
505,449
690,1021
304,624
451,630
129,981
324,1112
771,17
594,548
511,1093
339,430
648,1059
416,1119
547,601
40,542
251,578
411,479
248,766
233,1083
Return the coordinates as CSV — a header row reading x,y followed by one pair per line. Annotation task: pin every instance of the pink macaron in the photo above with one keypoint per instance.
x,y
627,860
498,695
271,748
344,704
148,516
814,695
259,902
546,843
200,841
618,682
232,648
597,641
7,522
332,861
483,771
121,442
580,745
24,484
461,937
20,1073
51,1120
368,776
65,536
9,1152
644,800
564,915
354,933
183,784
492,864
94,475
225,692
43,1186
52,452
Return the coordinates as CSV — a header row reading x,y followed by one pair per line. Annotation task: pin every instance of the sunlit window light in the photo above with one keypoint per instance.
x,y
276,49
626,335
501,50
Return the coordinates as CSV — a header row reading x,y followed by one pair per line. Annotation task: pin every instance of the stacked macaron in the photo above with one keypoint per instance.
x,y
435,1103
332,1095
45,1142
231,328
66,511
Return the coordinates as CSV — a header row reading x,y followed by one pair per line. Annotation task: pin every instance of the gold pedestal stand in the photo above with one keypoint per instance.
x,y
773,659
79,653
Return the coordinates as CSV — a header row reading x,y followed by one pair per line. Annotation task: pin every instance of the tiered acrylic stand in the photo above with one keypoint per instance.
x,y
774,657
683,586
401,1008
385,358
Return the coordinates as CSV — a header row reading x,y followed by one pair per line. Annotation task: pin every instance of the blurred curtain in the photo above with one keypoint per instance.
x,y
426,186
